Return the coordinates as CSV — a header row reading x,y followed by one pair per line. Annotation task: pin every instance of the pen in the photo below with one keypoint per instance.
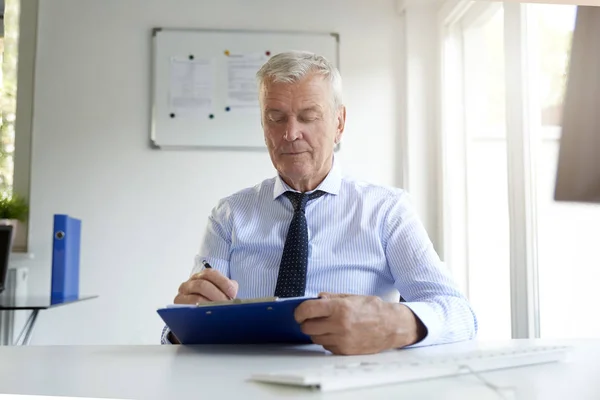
x,y
208,266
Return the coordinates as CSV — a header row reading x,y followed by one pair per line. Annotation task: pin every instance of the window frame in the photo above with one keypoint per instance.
x,y
28,28
455,16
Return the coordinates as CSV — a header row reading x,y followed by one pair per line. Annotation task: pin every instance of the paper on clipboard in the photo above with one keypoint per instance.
x,y
237,301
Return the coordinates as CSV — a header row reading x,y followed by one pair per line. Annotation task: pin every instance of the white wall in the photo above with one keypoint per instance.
x,y
421,105
144,210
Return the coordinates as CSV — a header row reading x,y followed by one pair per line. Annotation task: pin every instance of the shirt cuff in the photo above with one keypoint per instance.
x,y
165,336
430,319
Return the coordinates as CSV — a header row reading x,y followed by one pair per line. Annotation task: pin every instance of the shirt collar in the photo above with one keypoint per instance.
x,y
331,184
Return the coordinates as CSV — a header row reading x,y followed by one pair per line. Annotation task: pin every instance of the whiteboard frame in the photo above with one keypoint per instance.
x,y
192,147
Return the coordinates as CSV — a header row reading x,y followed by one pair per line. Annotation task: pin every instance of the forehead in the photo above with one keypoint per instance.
x,y
313,89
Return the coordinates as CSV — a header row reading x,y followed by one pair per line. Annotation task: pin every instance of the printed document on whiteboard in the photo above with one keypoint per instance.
x,y
242,90
191,85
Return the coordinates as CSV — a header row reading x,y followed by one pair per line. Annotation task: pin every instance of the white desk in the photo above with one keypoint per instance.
x,y
178,372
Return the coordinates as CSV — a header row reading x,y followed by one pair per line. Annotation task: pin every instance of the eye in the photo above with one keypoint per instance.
x,y
310,117
277,118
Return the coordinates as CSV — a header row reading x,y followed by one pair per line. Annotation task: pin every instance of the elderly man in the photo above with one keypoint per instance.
x,y
311,231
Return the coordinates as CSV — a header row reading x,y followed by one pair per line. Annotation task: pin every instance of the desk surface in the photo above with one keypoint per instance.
x,y
221,372
37,302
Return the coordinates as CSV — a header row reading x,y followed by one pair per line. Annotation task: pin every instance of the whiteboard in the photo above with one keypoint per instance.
x,y
203,89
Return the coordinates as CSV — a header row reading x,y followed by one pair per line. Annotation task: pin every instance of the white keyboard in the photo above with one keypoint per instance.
x,y
347,375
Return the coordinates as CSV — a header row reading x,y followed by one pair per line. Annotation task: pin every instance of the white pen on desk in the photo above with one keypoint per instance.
x,y
208,266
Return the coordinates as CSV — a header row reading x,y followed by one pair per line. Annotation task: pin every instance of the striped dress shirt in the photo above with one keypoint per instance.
x,y
364,239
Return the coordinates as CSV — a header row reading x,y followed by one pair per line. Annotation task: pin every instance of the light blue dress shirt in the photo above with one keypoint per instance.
x,y
364,239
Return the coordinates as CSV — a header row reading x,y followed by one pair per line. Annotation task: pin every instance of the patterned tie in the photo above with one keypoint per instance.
x,y
291,281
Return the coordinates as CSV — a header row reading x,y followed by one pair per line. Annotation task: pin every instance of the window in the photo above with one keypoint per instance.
x,y
529,262
568,234
486,171
18,32
8,90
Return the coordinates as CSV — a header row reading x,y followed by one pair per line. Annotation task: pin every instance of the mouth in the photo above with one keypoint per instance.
x,y
294,153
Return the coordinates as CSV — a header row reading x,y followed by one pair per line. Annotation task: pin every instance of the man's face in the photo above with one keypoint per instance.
x,y
301,127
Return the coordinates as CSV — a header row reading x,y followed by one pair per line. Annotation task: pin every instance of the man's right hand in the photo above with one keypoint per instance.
x,y
205,286
208,285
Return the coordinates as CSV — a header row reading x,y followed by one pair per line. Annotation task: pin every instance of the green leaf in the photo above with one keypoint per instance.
x,y
13,207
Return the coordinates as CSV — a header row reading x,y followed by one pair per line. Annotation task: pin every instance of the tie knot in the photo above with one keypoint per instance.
x,y
299,200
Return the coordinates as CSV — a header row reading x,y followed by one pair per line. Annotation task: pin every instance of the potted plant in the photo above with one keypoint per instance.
x,y
13,209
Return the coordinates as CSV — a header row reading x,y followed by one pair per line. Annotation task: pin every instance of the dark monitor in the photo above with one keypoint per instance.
x,y
5,246
578,174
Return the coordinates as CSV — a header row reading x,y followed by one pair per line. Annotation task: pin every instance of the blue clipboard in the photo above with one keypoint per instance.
x,y
252,321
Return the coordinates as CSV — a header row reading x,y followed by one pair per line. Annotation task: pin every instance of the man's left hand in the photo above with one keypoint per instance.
x,y
352,325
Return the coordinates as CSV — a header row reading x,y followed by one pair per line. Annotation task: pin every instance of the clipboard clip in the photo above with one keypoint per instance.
x,y
237,301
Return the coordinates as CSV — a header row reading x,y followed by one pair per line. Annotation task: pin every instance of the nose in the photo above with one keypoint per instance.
x,y
292,131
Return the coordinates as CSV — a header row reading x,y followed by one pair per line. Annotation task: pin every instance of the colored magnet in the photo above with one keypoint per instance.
x,y
268,53
226,52
227,109
172,115
211,116
191,56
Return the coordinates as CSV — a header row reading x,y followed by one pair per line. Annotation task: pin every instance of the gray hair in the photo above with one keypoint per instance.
x,y
291,66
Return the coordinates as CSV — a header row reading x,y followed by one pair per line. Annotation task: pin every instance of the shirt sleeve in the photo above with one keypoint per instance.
x,y
216,243
164,339
423,280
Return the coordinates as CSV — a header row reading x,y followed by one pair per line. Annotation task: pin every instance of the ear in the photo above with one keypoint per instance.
x,y
341,123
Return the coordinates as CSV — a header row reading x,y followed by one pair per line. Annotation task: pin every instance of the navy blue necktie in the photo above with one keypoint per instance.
x,y
291,281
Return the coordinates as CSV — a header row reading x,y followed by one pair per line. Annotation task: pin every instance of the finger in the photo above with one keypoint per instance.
x,y
219,280
316,327
210,276
207,289
313,309
189,299
197,275
327,340
236,287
